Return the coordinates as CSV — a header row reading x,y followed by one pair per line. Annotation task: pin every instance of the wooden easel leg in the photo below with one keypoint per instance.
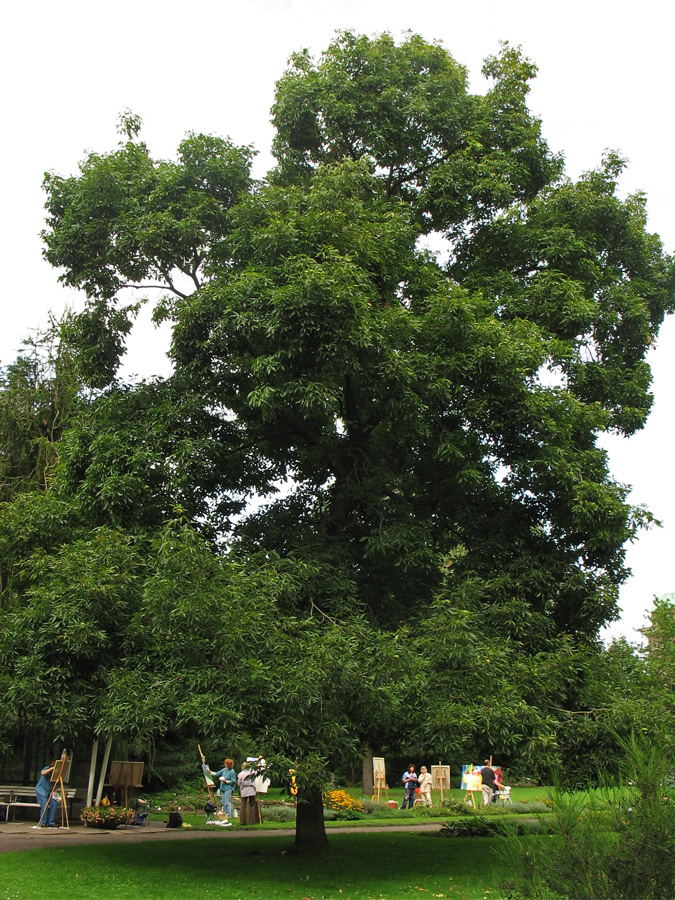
x,y
64,805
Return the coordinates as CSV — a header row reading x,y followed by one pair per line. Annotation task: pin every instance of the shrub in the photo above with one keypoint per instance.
x,y
617,848
374,807
453,806
533,807
278,814
470,828
441,811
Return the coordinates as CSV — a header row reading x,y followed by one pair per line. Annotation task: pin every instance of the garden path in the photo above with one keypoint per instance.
x,y
17,836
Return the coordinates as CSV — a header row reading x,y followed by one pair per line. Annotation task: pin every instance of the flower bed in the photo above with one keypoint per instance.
x,y
106,816
343,804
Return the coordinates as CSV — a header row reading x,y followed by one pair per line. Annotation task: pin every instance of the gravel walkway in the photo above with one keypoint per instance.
x,y
17,836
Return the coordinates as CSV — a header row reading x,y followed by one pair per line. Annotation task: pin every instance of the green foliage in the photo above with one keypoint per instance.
x,y
279,814
38,396
406,108
127,219
659,683
614,848
328,350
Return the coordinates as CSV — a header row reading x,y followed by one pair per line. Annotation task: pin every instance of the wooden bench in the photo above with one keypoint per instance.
x,y
21,796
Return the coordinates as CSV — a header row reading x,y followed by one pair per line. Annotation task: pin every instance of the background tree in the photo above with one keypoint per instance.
x,y
421,428
660,667
39,393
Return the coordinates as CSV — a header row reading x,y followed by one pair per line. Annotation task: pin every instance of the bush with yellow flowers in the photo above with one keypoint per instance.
x,y
340,801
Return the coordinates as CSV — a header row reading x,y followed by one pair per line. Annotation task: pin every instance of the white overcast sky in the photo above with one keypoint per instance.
x,y
606,75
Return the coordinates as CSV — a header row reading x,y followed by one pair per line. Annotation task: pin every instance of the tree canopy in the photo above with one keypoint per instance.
x,y
419,428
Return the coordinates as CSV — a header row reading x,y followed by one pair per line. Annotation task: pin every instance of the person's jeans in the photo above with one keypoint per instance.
x,y
408,797
226,800
42,799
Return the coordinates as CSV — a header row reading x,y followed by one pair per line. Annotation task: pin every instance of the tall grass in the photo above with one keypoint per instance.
x,y
613,844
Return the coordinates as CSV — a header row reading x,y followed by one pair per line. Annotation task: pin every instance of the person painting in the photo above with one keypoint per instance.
x,y
42,791
227,781
409,779
425,786
487,777
497,786
246,781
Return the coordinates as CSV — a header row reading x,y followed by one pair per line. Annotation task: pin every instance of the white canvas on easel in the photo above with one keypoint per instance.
x,y
440,779
379,777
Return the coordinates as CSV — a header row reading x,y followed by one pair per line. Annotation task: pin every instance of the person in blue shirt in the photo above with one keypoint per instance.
x,y
227,781
42,791
409,780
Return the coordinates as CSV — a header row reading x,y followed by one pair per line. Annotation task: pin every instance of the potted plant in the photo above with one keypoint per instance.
x,y
106,816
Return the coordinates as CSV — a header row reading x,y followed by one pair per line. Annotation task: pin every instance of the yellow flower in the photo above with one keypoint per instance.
x,y
342,802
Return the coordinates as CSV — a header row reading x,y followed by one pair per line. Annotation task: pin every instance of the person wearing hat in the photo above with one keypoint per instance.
x,y
246,781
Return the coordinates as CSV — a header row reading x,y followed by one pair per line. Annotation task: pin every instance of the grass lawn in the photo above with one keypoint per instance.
x,y
378,866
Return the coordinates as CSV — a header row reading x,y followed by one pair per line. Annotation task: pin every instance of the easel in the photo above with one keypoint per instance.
x,y
379,778
471,794
440,779
59,769
209,783
126,775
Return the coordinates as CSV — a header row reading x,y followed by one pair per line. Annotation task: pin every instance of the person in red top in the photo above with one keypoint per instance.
x,y
498,785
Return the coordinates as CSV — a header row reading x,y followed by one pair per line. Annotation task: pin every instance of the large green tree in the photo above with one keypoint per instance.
x,y
421,427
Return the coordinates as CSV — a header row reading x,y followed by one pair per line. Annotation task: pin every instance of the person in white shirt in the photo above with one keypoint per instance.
x,y
425,786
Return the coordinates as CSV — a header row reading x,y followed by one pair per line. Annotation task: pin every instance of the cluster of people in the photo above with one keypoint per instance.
x,y
249,783
416,787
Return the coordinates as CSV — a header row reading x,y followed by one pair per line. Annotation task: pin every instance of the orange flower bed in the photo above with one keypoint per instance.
x,y
341,802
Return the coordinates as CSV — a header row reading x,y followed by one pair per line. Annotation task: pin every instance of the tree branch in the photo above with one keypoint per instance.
x,y
158,287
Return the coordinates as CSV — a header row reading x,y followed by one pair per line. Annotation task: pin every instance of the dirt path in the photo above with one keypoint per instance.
x,y
15,837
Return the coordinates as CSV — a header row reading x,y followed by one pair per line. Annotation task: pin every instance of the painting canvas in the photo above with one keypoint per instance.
x,y
125,773
471,780
440,778
61,768
378,769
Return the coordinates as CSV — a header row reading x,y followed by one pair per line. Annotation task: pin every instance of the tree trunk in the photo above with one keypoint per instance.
x,y
310,829
368,786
